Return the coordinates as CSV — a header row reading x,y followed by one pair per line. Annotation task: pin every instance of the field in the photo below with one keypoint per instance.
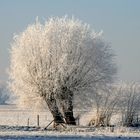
x,y
23,124
12,116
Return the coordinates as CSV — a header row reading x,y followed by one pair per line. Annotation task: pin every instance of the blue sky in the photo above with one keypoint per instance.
x,y
119,19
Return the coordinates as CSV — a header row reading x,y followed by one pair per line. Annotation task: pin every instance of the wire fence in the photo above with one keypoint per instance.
x,y
12,116
19,118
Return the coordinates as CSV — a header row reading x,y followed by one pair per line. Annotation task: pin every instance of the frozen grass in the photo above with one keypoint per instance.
x,y
32,133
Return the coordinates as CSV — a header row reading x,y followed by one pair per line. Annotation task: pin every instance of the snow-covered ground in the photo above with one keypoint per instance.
x,y
13,125
75,134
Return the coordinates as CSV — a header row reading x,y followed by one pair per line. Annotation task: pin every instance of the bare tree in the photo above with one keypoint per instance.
x,y
57,61
105,102
130,103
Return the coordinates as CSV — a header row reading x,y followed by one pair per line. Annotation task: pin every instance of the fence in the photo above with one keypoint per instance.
x,y
12,116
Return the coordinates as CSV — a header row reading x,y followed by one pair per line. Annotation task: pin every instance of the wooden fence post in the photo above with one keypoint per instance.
x,y
38,120
28,122
78,122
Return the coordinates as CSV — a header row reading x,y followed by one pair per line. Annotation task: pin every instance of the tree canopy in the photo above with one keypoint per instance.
x,y
57,60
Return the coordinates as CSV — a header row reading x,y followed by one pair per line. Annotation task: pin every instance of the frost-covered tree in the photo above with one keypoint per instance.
x,y
130,103
4,95
57,61
105,103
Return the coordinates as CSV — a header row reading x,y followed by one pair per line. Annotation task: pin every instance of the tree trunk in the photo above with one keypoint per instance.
x,y
52,105
68,113
67,107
